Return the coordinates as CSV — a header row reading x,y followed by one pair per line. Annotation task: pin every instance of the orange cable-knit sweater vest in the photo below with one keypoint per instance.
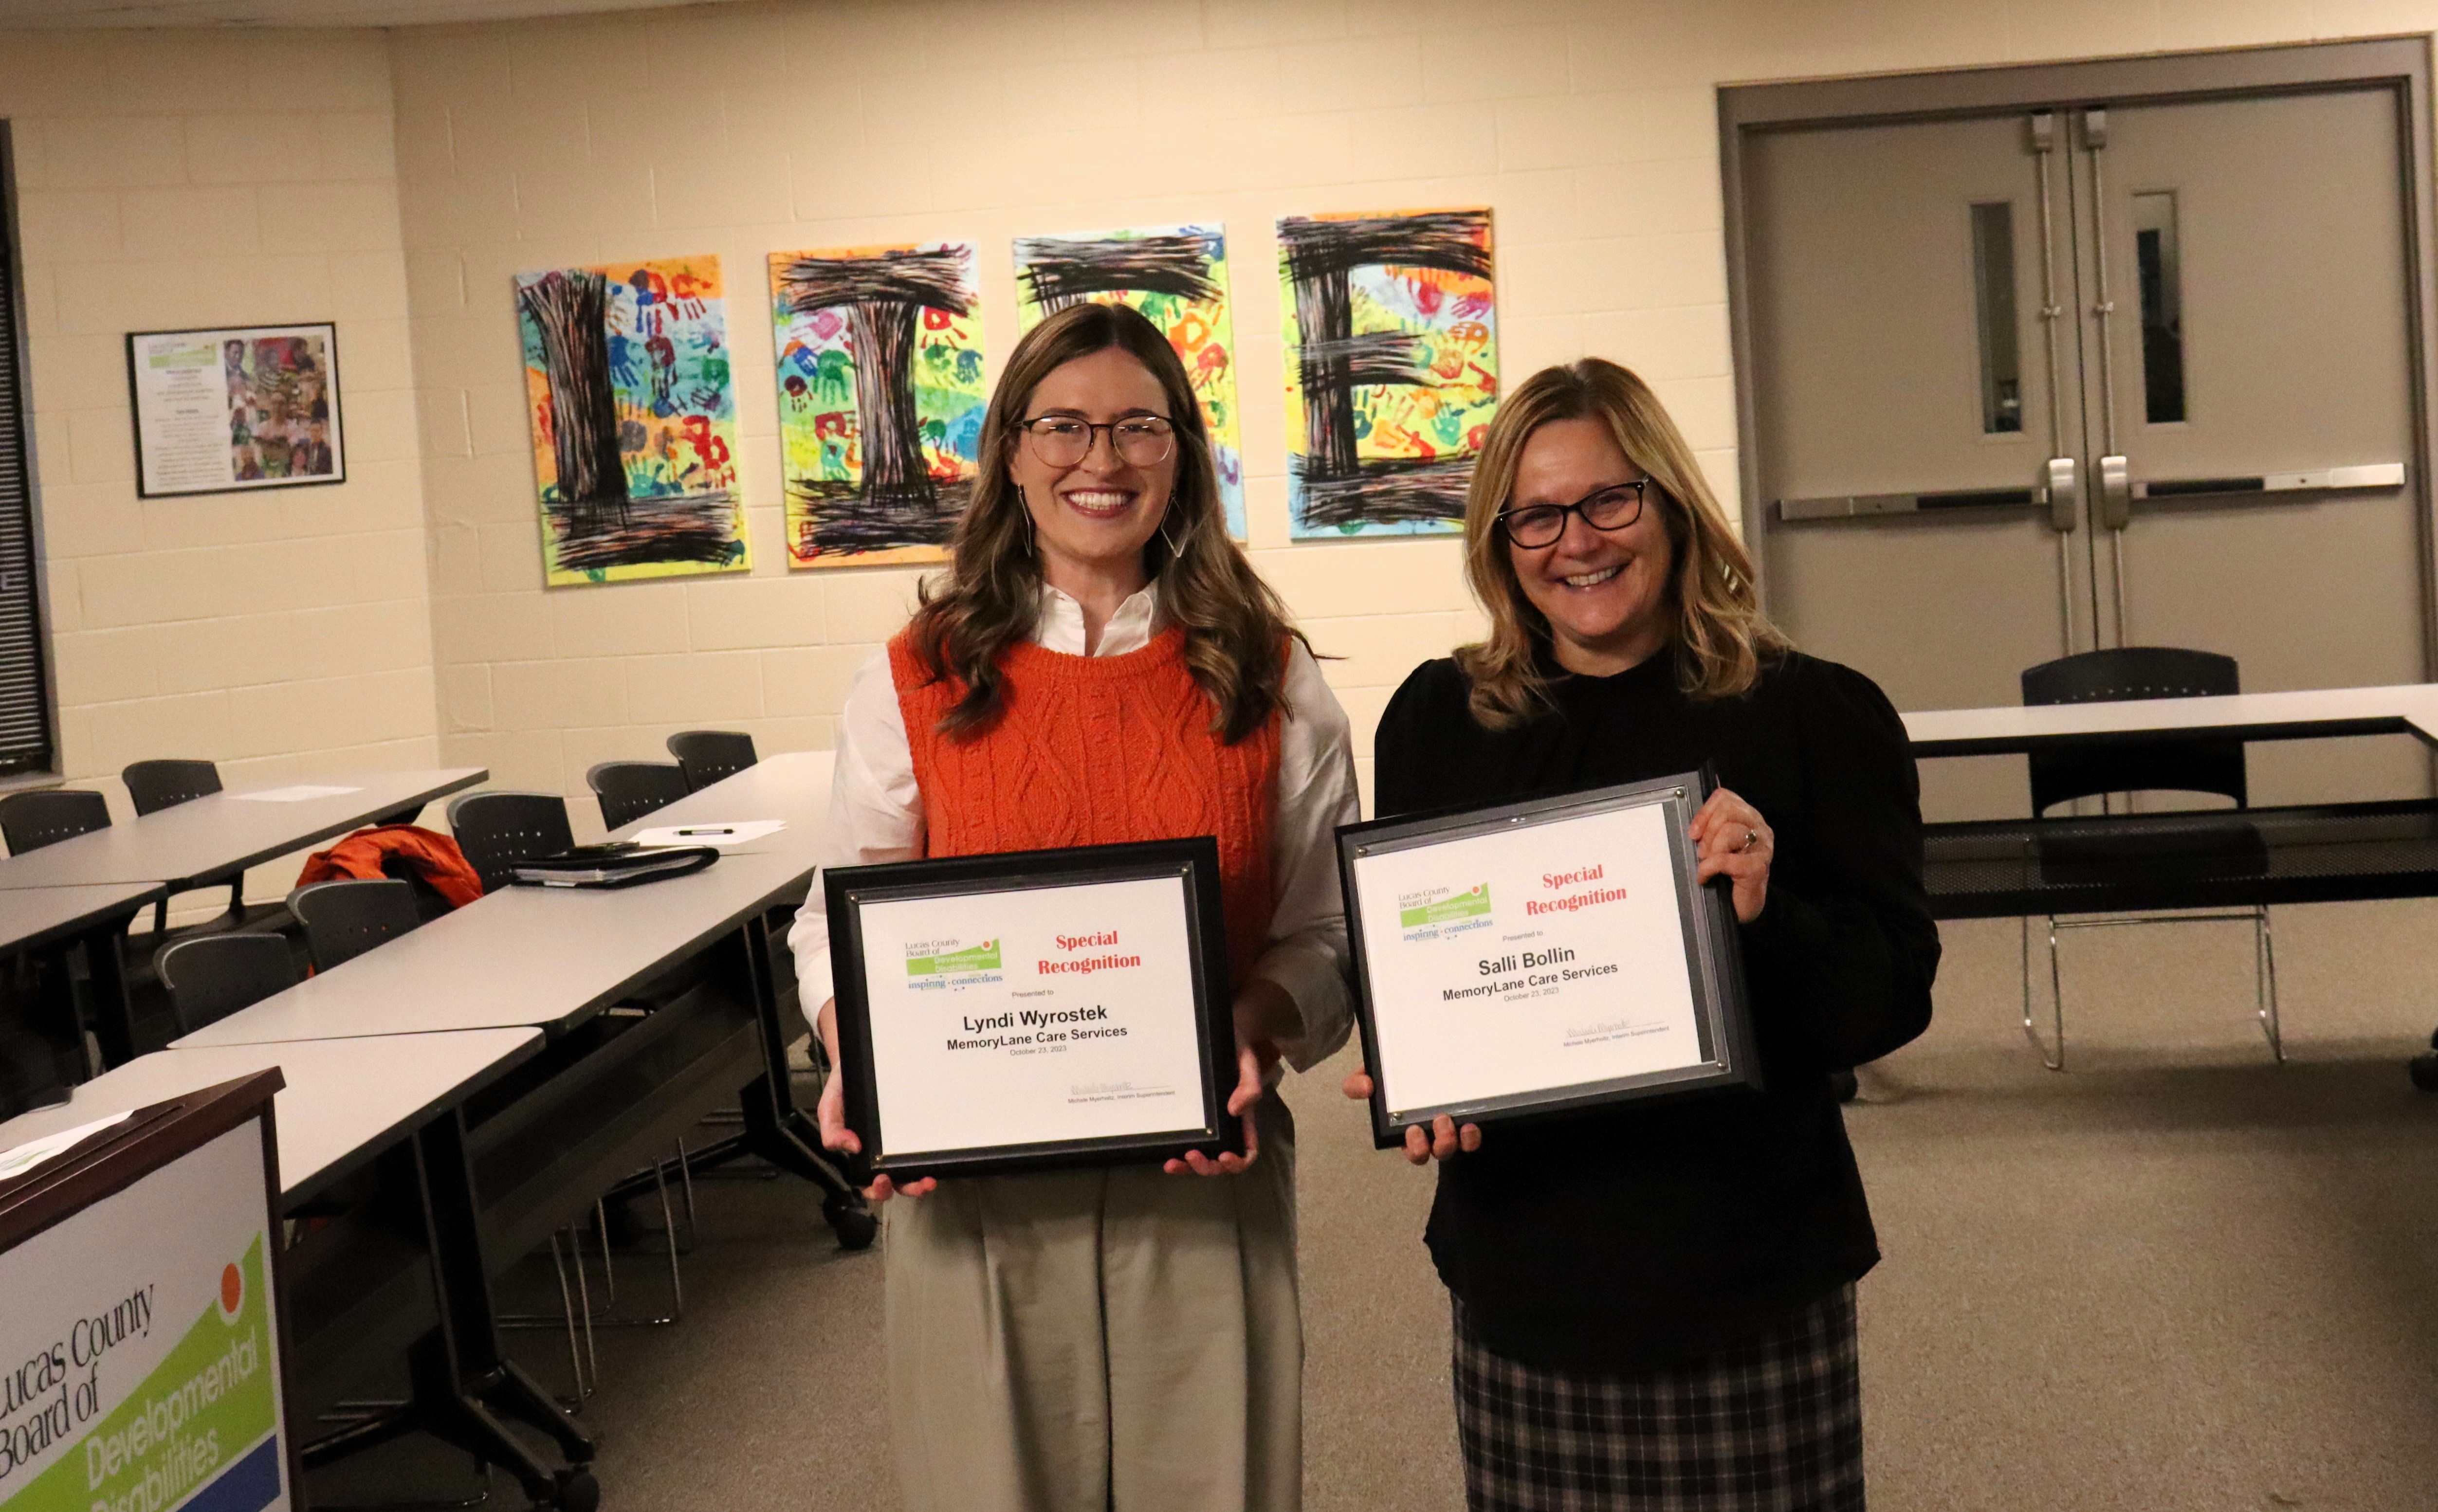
x,y
1099,750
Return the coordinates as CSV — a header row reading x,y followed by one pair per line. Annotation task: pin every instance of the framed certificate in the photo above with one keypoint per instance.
x,y
1043,1008
1542,956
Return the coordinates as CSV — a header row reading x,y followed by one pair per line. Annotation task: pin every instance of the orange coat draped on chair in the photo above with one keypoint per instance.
x,y
370,855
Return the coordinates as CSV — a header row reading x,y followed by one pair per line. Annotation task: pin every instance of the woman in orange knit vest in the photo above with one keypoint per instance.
x,y
1101,664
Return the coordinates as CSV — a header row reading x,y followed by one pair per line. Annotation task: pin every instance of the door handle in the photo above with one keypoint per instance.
x,y
2116,493
2321,480
2065,494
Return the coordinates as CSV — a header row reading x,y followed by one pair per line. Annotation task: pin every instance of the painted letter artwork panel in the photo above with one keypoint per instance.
x,y
1177,277
634,421
1391,367
880,398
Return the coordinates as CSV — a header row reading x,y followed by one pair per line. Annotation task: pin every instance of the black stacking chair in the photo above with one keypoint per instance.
x,y
29,821
158,784
210,977
346,918
2210,765
709,755
497,829
630,790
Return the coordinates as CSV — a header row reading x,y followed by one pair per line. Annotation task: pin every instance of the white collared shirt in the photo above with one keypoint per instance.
x,y
876,816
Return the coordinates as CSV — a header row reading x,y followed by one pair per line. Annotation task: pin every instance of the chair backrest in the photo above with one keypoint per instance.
x,y
210,977
344,919
2135,765
156,786
630,790
497,829
29,821
709,755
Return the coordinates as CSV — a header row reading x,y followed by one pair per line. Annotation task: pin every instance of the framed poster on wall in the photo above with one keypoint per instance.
x,y
223,410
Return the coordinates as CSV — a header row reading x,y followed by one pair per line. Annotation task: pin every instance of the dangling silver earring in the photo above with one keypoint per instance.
x,y
1025,502
1174,553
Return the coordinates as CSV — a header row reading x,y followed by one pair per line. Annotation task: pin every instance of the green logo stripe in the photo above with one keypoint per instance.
x,y
1463,906
983,956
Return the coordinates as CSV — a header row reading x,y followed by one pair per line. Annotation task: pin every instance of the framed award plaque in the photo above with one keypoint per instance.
x,y
1044,1007
1543,957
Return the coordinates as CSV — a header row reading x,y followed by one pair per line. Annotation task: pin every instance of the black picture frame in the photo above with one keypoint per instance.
x,y
1714,960
1196,862
136,409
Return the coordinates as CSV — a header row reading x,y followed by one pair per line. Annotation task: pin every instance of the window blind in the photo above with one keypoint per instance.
x,y
26,737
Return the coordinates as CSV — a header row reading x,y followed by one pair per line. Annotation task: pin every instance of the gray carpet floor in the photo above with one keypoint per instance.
x,y
2176,1277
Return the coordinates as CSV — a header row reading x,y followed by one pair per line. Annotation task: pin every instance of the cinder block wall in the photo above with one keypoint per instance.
x,y
744,130
1588,125
188,178
175,180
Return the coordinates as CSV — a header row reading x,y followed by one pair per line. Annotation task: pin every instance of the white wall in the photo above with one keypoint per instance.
x,y
205,179
187,179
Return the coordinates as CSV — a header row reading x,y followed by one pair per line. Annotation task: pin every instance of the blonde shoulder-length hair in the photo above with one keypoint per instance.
x,y
1721,639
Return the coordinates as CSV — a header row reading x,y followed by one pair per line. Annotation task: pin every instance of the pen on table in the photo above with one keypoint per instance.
x,y
717,829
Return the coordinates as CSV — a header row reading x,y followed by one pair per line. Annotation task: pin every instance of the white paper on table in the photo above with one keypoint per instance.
x,y
1527,959
33,1153
1018,1018
716,832
302,792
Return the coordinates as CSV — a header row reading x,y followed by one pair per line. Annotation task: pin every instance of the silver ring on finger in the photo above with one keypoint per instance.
x,y
1752,837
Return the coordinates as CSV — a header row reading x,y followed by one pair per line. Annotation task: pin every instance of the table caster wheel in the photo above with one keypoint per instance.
x,y
577,1491
856,1227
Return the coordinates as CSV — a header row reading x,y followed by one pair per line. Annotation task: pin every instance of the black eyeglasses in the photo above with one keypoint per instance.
x,y
1064,440
1612,508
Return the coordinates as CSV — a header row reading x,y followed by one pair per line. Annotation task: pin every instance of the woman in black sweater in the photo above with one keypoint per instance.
x,y
1654,1302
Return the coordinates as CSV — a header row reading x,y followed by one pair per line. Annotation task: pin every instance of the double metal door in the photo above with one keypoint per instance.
x,y
2033,381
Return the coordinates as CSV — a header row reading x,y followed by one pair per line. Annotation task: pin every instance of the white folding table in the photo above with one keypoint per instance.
x,y
2410,709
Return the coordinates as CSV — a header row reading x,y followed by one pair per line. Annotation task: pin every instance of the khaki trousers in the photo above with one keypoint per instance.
x,y
1118,1339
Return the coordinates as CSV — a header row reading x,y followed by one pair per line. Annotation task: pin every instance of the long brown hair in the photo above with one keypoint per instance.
x,y
1719,639
1236,628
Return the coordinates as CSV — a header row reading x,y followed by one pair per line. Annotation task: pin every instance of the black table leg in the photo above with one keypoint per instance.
x,y
113,1015
466,1390
775,1129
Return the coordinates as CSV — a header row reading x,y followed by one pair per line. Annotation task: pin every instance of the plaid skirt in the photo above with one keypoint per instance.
x,y
1775,1425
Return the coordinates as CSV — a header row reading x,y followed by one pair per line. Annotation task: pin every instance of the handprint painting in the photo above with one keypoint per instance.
x,y
1176,276
629,393
880,398
1391,367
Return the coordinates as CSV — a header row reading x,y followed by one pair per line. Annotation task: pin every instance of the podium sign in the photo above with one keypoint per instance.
x,y
140,1351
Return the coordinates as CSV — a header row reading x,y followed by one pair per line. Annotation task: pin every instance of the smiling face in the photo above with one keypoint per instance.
x,y
1092,520
1603,593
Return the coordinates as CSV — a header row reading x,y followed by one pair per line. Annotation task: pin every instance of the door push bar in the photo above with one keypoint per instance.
x,y
2323,480
1843,506
2062,493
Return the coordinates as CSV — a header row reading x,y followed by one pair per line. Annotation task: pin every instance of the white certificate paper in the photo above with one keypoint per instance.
x,y
1529,959
1027,1017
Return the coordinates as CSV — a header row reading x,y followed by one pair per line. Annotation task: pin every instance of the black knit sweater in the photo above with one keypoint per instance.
x,y
1658,1231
